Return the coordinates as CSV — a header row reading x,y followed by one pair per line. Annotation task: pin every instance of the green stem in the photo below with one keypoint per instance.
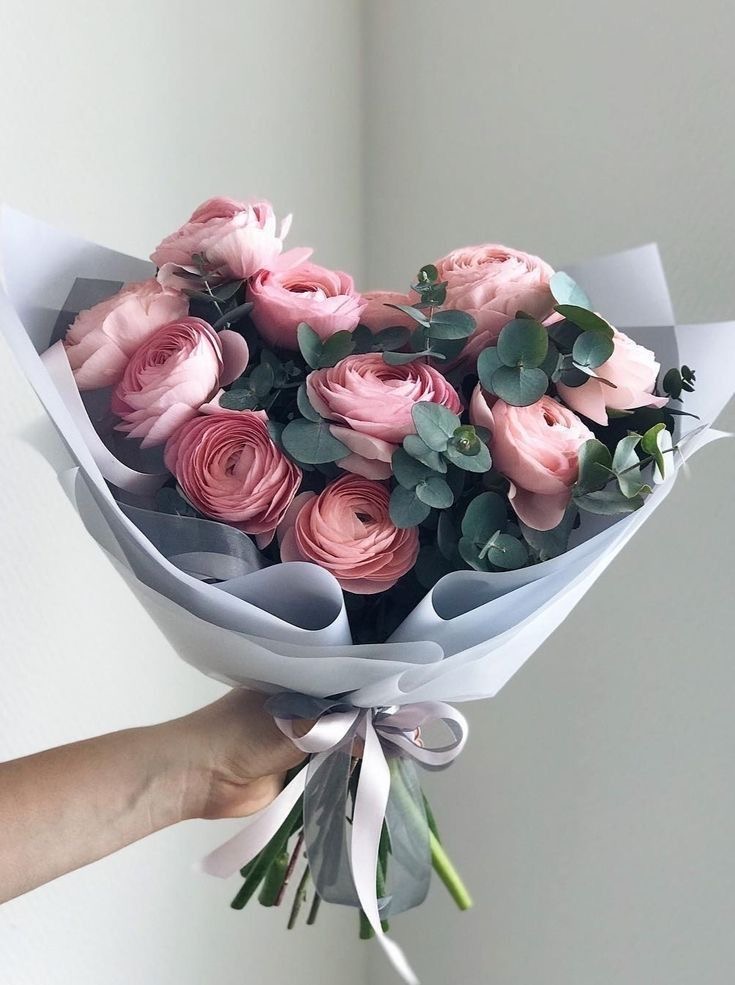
x,y
268,856
300,898
440,861
315,904
274,880
448,874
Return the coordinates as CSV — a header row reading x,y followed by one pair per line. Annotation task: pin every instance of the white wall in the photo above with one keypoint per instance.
x,y
593,810
114,120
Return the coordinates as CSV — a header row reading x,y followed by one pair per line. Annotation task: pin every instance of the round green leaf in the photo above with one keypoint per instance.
x,y
304,405
435,492
479,462
406,509
592,349
419,450
567,291
523,343
335,349
310,344
408,470
434,424
240,399
451,324
312,443
485,516
506,552
519,386
587,320
487,362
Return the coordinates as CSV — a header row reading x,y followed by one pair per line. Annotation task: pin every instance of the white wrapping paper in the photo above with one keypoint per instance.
x,y
286,627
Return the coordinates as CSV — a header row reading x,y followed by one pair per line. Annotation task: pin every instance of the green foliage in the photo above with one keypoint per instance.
x,y
566,291
322,355
547,544
485,543
311,442
406,509
517,368
592,349
595,466
434,424
676,381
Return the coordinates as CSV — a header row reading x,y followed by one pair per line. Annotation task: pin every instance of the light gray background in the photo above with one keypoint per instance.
x,y
593,811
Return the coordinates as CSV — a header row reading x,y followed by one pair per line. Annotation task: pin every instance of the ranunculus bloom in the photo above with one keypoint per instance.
x,y
491,283
179,368
371,404
634,371
537,449
101,339
230,470
237,239
377,314
347,529
325,299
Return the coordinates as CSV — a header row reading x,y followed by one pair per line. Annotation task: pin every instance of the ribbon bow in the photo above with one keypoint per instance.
x,y
342,874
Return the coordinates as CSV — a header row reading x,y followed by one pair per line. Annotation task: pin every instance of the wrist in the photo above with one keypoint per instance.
x,y
180,778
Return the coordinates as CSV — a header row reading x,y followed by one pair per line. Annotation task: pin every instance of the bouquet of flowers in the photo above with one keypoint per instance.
x,y
366,504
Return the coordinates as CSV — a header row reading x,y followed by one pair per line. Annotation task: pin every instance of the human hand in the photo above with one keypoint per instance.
x,y
234,756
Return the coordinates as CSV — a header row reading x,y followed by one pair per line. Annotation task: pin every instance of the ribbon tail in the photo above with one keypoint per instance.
x,y
246,844
371,802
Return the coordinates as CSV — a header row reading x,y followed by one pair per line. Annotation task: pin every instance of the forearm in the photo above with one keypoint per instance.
x,y
68,806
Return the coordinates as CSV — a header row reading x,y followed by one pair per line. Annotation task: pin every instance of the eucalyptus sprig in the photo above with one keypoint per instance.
x,y
421,465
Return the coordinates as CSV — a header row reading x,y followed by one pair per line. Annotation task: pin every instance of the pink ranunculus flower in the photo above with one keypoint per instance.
x,y
631,368
325,299
176,370
229,468
378,314
347,529
371,404
101,339
491,283
537,449
237,239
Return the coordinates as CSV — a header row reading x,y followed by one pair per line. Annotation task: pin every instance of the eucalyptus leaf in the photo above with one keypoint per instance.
x,y
241,399
487,363
478,462
304,404
506,552
336,348
523,343
519,386
451,324
551,543
585,319
406,509
390,339
435,492
608,502
654,442
409,471
419,450
261,379
595,466
233,316
310,345
566,291
486,515
564,334
312,443
592,349
415,313
434,424
403,358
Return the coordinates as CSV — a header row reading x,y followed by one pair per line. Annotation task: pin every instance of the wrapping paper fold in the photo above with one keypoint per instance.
x,y
285,627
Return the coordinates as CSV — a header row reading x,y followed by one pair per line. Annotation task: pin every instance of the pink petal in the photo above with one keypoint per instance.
x,y
369,468
235,356
539,511
588,399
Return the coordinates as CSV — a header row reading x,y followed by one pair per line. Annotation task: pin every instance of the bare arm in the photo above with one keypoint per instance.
x,y
66,807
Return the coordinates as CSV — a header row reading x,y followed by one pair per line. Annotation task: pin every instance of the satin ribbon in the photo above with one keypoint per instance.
x,y
382,730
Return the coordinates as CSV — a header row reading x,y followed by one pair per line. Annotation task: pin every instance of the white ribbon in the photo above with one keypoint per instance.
x,y
376,727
